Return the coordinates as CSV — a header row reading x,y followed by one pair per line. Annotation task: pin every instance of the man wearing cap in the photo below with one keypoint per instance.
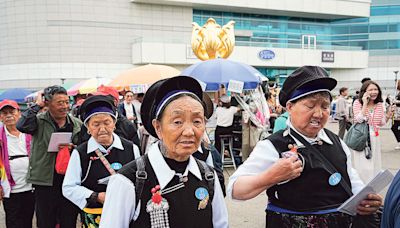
x,y
51,206
305,168
18,201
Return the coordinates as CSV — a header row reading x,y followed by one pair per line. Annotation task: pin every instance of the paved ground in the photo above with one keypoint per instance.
x,y
251,213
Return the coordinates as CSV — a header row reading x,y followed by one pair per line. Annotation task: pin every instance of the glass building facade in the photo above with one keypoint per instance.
x,y
380,33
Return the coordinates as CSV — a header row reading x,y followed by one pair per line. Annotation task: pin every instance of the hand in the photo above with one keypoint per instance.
x,y
101,197
366,98
39,99
1,193
369,205
132,118
286,169
69,145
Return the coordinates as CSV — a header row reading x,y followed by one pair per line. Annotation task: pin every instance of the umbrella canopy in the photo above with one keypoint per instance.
x,y
17,95
143,75
215,72
87,86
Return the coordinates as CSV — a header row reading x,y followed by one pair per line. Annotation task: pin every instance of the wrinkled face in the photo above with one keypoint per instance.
x,y
128,97
309,115
101,127
373,91
181,127
9,116
59,106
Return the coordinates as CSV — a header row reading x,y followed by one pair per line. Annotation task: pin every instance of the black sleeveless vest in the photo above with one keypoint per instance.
x,y
97,168
311,191
183,205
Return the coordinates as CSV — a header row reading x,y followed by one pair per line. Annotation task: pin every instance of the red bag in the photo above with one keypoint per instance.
x,y
62,160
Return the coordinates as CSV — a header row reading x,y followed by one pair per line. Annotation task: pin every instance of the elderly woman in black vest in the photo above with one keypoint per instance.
x,y
305,168
92,162
168,187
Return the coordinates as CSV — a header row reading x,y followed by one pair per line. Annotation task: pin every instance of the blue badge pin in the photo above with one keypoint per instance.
x,y
116,166
335,178
201,193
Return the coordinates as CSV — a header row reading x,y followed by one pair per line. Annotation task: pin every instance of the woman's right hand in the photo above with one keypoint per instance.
x,y
286,169
365,98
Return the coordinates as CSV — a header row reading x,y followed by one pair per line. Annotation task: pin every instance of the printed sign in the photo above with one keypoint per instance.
x,y
328,56
235,86
139,88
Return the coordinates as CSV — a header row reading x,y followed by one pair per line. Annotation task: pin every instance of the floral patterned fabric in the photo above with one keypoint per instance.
x,y
90,220
331,220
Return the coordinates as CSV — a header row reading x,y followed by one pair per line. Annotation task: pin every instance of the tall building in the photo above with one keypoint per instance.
x,y
46,42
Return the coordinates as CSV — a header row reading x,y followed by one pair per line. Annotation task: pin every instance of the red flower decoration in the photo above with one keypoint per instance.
x,y
156,198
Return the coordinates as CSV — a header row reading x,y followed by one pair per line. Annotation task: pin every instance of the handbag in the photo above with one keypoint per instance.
x,y
62,160
357,136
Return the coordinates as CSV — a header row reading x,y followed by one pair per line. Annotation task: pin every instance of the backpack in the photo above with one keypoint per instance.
x,y
141,176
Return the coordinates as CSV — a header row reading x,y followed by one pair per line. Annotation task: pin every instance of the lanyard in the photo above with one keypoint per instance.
x,y
105,162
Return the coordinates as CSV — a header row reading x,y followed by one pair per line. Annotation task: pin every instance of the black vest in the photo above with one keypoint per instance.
x,y
97,168
311,191
183,205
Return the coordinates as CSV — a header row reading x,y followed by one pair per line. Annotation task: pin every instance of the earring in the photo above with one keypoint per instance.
x,y
88,132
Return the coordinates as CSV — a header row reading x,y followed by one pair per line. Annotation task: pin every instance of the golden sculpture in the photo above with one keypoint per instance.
x,y
211,41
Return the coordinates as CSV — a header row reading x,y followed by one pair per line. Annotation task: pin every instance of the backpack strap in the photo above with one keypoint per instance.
x,y
208,174
141,177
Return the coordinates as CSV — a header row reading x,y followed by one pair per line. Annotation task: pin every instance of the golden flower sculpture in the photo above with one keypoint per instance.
x,y
211,41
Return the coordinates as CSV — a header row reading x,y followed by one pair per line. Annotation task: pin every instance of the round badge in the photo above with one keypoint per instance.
x,y
201,193
116,165
334,179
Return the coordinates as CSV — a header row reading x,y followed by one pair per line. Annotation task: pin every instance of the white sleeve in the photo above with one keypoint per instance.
x,y
209,160
263,156
119,205
219,211
356,183
136,151
71,188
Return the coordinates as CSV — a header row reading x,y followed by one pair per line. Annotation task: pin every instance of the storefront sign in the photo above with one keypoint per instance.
x,y
328,56
266,54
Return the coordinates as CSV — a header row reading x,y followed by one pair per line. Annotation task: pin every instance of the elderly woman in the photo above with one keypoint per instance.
x,y
168,187
305,169
93,161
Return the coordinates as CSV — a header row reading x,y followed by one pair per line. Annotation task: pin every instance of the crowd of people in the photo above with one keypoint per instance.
x,y
148,161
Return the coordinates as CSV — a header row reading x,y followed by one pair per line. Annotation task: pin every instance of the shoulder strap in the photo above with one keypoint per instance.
x,y
208,174
141,177
105,162
318,154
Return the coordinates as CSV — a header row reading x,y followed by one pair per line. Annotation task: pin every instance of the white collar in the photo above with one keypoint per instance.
x,y
93,145
200,149
11,135
163,172
320,136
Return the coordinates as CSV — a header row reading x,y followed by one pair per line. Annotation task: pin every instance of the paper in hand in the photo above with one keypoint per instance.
x,y
58,138
377,184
